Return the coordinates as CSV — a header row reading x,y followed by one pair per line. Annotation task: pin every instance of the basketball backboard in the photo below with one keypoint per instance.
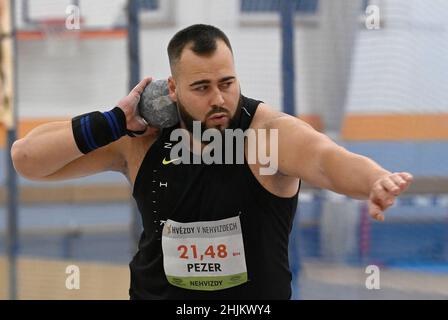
x,y
98,14
36,19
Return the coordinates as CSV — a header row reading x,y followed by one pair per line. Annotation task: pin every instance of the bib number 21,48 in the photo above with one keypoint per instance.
x,y
204,255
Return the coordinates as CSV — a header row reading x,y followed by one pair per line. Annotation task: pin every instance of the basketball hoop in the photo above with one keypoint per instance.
x,y
60,41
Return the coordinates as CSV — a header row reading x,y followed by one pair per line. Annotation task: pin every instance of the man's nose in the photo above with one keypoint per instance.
x,y
217,99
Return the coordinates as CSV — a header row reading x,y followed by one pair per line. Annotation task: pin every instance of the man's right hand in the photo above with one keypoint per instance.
x,y
129,104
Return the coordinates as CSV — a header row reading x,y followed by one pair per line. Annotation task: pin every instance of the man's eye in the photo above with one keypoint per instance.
x,y
201,88
226,85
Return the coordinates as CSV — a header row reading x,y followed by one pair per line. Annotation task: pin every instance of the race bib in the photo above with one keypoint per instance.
x,y
204,255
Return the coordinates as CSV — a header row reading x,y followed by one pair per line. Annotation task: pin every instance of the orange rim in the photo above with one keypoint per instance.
x,y
88,34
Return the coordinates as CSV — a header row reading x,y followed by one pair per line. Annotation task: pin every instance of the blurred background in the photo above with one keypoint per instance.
x,y
370,74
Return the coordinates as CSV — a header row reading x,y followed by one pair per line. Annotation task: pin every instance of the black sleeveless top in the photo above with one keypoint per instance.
x,y
209,192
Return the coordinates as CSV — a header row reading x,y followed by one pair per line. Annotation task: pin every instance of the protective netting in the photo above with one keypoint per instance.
x,y
375,80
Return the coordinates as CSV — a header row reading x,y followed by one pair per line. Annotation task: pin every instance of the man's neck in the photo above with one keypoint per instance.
x,y
196,145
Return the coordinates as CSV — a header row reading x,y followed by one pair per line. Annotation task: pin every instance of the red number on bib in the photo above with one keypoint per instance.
x,y
222,252
210,252
183,248
195,253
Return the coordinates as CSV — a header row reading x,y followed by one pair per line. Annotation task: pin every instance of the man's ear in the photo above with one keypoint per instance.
x,y
172,88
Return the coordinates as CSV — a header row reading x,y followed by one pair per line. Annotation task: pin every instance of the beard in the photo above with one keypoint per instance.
x,y
187,119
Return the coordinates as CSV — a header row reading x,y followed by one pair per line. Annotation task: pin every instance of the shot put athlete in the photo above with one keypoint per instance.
x,y
211,231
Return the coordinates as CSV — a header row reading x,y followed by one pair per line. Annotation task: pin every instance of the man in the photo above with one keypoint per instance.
x,y
211,231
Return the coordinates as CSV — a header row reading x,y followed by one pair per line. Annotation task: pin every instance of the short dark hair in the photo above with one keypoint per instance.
x,y
202,37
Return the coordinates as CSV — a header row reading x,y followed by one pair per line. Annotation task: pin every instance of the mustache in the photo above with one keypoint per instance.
x,y
217,110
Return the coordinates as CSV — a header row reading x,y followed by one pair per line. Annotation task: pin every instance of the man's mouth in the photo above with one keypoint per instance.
x,y
219,119
218,116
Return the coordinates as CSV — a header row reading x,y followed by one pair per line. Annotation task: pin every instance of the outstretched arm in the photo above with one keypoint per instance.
x,y
315,158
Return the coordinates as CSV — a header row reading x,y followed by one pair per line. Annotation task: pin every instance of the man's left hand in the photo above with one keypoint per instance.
x,y
385,190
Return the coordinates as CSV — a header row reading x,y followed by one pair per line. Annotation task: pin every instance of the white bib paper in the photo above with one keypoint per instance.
x,y
204,255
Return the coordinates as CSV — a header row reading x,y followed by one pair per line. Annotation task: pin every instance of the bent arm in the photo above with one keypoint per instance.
x,y
49,152
45,150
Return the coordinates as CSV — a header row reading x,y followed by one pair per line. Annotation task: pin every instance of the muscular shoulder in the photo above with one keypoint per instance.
x,y
267,117
278,184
